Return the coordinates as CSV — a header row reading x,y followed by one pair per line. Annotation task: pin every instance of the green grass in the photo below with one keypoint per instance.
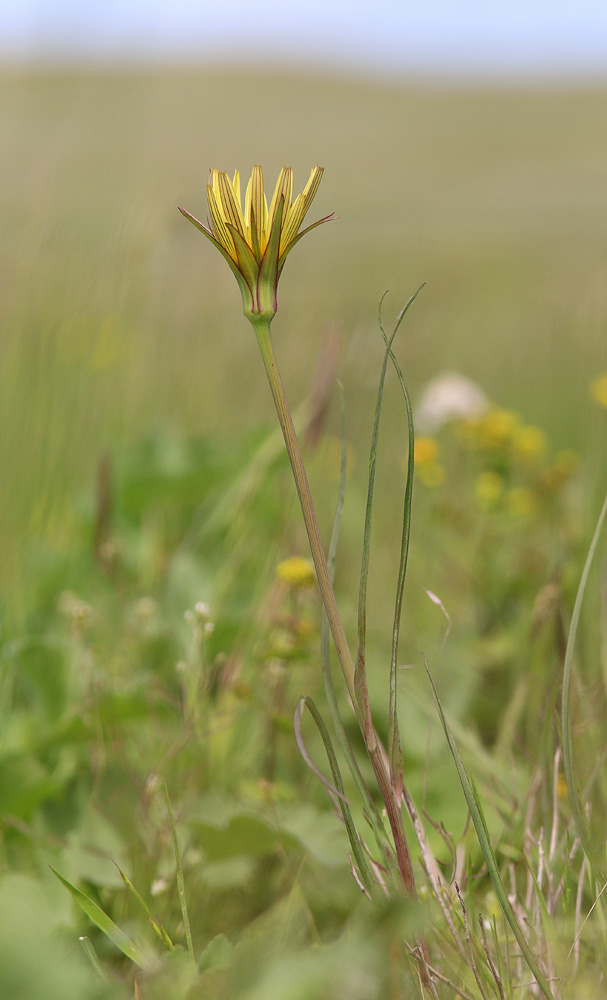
x,y
141,475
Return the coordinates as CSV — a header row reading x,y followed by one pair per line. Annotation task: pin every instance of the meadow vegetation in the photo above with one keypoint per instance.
x,y
155,632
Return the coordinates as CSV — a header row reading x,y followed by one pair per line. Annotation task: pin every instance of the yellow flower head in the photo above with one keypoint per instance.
x,y
255,242
296,572
489,488
498,427
599,390
425,451
529,442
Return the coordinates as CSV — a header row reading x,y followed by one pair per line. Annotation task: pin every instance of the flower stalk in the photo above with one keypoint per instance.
x,y
358,696
255,243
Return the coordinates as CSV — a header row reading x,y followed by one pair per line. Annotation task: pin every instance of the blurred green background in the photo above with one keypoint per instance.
x,y
119,320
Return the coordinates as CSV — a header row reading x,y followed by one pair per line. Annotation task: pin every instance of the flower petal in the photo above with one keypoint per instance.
x,y
220,231
283,189
232,212
236,186
258,212
300,206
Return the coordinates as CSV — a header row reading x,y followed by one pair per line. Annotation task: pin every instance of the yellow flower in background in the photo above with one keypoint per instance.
x,y
598,389
522,502
296,572
489,488
498,427
529,442
425,454
255,242
425,450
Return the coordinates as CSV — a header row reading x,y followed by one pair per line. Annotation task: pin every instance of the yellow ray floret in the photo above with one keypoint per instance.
x,y
256,241
255,223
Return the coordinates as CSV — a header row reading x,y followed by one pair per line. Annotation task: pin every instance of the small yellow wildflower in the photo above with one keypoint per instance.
x,y
255,243
497,427
489,488
425,451
521,502
599,390
296,572
561,786
430,472
529,441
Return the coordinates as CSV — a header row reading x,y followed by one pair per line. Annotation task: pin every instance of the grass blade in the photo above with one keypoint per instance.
x,y
476,812
93,958
369,808
358,851
394,744
158,929
104,923
364,569
574,801
180,879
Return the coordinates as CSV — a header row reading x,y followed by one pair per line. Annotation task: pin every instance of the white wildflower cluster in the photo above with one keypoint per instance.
x,y
449,397
200,618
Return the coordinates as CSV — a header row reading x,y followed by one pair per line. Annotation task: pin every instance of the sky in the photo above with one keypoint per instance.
x,y
512,37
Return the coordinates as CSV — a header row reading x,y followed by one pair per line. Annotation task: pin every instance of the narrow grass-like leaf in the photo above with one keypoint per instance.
x,y
358,851
394,744
547,921
369,808
104,923
496,972
394,747
93,958
158,929
180,879
476,812
364,570
574,801
586,918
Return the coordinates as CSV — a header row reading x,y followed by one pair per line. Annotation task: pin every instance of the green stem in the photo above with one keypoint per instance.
x,y
261,326
264,339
